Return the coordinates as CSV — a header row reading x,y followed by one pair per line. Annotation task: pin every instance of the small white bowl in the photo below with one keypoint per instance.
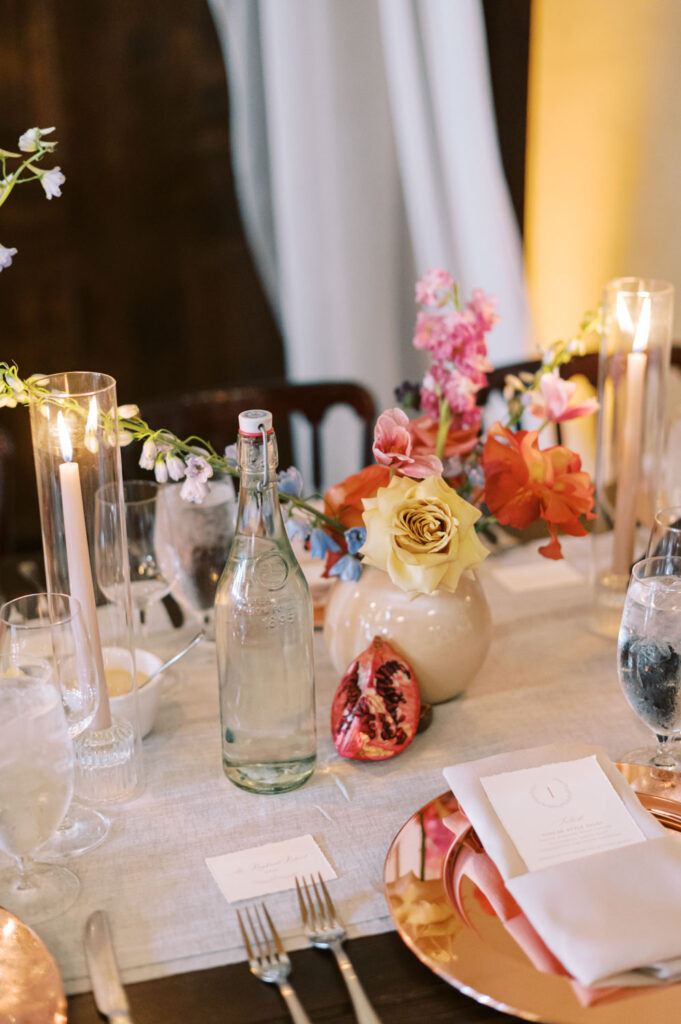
x,y
148,694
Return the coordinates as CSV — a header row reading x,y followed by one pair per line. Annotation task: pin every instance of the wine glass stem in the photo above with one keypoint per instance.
x,y
25,865
663,755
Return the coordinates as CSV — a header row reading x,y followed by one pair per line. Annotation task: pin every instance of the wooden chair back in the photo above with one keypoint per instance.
x,y
213,414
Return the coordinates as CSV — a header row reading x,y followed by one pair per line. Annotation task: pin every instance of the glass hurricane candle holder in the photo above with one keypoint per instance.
x,y
633,368
74,428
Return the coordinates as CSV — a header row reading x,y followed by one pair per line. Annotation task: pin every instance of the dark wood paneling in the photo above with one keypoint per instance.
x,y
141,269
508,39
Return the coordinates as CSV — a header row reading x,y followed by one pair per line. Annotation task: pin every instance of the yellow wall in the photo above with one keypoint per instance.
x,y
603,186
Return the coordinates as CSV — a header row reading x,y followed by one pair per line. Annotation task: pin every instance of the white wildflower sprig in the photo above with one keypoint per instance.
x,y
192,460
517,388
32,143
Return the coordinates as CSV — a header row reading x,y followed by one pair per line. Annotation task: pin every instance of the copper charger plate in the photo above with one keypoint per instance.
x,y
484,962
30,987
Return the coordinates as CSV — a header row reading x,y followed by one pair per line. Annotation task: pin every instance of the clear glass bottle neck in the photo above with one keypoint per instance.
x,y
258,493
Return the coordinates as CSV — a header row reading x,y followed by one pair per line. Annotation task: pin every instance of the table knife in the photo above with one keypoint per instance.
x,y
101,961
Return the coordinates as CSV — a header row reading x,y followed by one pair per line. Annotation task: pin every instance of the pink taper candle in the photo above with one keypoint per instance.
x,y
630,453
80,574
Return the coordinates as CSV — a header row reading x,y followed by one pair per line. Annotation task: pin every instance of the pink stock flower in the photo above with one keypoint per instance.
x,y
459,390
482,307
431,285
393,444
552,400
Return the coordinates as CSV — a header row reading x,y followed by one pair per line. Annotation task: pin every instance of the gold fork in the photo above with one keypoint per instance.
x,y
324,929
272,963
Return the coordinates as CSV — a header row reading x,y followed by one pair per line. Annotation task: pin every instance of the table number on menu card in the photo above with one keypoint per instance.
x,y
560,812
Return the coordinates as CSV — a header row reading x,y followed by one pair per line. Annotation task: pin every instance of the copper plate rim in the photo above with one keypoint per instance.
x,y
667,811
31,979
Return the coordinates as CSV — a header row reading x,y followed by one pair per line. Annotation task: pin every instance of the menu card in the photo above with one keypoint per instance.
x,y
560,812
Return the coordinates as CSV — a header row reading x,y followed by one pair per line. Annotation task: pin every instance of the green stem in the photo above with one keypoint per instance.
x,y
443,427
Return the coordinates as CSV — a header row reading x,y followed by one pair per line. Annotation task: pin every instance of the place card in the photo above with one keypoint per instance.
x,y
261,870
560,812
540,574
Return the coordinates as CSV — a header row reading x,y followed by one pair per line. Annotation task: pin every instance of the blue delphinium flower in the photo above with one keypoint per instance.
x,y
291,482
321,542
476,475
295,528
354,538
347,568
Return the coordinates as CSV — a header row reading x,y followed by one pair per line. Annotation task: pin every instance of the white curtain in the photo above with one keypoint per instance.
x,y
365,153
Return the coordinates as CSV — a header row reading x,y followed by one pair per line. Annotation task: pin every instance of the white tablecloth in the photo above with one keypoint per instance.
x,y
546,678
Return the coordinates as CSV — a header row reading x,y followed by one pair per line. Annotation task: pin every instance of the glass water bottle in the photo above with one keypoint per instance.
x,y
264,630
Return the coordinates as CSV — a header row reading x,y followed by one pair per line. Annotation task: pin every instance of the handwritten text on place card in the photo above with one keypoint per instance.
x,y
560,812
246,874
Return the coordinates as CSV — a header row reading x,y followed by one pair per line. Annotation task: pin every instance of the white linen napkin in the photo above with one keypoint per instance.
x,y
611,918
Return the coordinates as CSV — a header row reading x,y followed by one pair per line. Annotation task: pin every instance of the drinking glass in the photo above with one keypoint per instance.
x,y
36,783
665,536
43,633
152,568
199,537
649,654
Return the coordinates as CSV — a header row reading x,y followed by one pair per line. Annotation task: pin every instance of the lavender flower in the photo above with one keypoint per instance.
x,y
148,456
32,139
197,470
176,467
6,256
52,181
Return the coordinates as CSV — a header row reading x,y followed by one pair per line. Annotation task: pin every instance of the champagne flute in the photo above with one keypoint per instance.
x,y
46,632
36,784
649,654
152,567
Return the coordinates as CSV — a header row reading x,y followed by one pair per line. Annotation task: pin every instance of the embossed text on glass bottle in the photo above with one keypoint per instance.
x,y
264,632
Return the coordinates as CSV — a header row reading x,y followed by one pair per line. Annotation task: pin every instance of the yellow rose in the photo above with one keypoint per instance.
x,y
422,534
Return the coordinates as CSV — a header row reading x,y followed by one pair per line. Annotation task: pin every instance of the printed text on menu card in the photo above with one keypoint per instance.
x,y
560,812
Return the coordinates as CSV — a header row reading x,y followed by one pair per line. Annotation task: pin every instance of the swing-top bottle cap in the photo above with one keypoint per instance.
x,y
254,421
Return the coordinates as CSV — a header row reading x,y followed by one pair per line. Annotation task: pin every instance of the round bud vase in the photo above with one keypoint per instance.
x,y
444,636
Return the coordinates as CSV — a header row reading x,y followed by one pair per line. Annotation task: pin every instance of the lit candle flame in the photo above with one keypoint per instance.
x,y
64,438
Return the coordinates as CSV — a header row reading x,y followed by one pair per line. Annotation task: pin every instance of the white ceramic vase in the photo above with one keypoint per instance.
x,y
444,636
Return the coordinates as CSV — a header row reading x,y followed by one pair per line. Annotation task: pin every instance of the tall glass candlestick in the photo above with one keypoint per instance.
x,y
74,426
633,368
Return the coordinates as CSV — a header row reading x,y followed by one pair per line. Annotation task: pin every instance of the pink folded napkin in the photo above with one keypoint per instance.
x,y
471,861
607,919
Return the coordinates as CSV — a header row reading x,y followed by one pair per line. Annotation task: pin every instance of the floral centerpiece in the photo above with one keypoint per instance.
x,y
415,518
438,481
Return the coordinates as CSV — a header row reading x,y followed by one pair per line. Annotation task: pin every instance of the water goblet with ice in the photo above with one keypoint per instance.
x,y
42,633
649,654
36,784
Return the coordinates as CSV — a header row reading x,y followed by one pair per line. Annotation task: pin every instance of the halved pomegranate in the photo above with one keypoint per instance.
x,y
375,711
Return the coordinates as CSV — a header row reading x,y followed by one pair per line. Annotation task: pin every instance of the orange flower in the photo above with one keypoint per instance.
x,y
523,484
343,501
424,434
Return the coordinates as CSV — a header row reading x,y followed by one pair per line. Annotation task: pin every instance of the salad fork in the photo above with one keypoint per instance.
x,y
271,963
324,929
